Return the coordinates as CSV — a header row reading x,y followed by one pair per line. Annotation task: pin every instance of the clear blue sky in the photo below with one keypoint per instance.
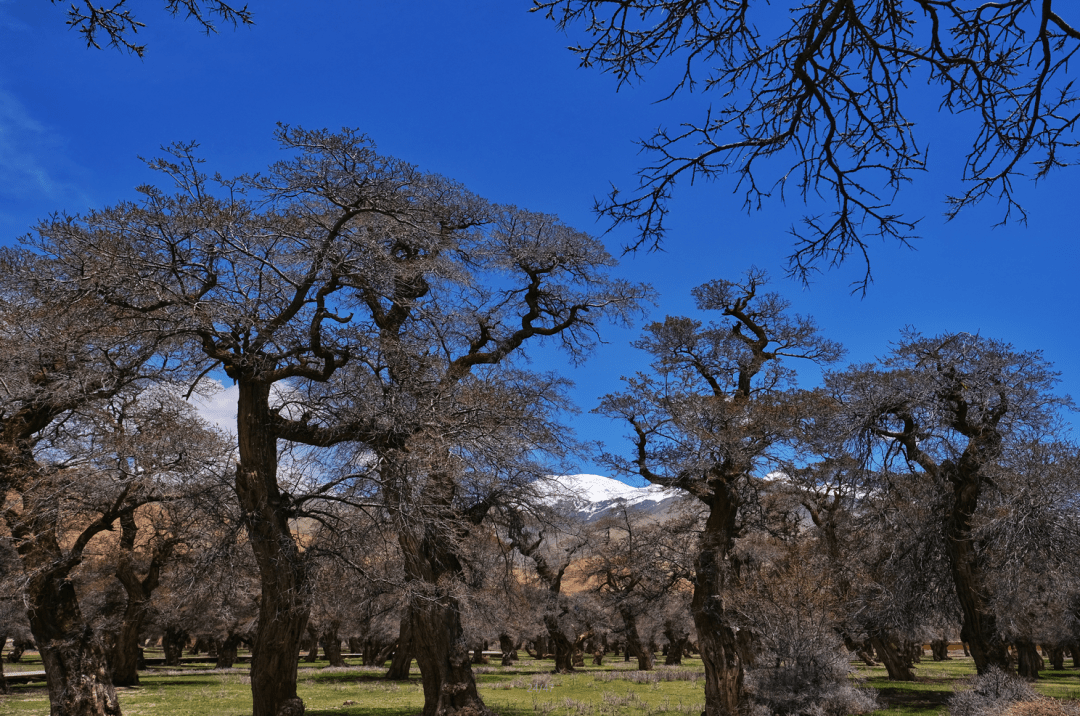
x,y
486,93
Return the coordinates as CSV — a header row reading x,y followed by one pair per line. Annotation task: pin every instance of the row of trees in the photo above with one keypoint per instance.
x,y
372,317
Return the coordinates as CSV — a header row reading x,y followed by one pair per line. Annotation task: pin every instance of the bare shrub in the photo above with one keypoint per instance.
x,y
812,678
994,693
1042,707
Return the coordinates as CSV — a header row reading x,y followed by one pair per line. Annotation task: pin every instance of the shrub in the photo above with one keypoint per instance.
x,y
1042,707
994,693
812,678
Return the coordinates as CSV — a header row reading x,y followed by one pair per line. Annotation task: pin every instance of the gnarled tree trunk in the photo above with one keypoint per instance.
x,y
633,641
979,629
125,654
226,651
888,650
725,694
403,655
285,602
331,643
172,643
506,647
677,641
73,657
1028,660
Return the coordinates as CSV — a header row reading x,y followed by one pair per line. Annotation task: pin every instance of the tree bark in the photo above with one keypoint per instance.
x,y
313,644
633,641
438,640
1028,660
979,628
172,643
725,694
331,643
74,659
561,646
1057,657
226,652
891,656
285,603
677,640
403,655
939,648
506,646
125,654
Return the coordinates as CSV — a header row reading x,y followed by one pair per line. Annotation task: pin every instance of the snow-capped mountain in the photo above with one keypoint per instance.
x,y
591,496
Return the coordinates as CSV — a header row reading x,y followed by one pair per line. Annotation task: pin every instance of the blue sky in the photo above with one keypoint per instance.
x,y
487,93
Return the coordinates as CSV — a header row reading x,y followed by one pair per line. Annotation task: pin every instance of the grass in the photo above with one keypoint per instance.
x,y
525,689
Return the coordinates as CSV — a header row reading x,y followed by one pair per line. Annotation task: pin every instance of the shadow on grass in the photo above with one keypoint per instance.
x,y
359,710
352,677
930,701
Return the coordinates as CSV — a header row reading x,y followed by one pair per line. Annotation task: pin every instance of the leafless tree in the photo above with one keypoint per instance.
x,y
116,24
948,409
635,563
820,94
60,442
711,419
353,299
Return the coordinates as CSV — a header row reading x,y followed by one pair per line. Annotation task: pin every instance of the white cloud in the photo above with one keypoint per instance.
x,y
32,161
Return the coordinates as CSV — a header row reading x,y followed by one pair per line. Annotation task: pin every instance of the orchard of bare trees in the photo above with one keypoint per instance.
x,y
389,484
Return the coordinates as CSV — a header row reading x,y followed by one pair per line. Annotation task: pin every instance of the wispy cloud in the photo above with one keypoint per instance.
x,y
32,162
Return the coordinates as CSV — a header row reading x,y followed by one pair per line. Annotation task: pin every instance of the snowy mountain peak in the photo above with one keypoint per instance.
x,y
593,495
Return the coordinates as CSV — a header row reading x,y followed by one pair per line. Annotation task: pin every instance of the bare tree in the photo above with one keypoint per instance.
x,y
63,483
116,25
710,420
948,409
821,95
352,298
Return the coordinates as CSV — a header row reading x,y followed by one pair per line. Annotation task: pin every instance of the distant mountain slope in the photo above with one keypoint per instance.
x,y
594,496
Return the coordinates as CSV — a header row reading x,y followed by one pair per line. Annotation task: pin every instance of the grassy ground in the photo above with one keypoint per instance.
x,y
526,689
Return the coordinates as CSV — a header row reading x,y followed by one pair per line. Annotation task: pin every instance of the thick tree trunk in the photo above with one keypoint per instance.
x,y
979,628
312,644
125,655
506,646
561,646
74,659
438,640
331,643
890,654
677,640
18,648
403,655
1028,660
725,694
633,641
172,643
939,648
1057,657
478,653
285,601
226,652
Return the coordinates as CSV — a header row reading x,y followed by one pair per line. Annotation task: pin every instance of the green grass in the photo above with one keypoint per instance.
x,y
526,689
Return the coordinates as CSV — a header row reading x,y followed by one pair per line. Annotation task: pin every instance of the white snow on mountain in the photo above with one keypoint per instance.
x,y
592,495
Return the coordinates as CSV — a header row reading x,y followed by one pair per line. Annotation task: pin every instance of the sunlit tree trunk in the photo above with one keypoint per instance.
x,y
285,603
438,640
725,694
71,653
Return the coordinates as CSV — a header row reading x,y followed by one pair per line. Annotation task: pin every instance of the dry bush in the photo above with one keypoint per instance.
x,y
1042,707
994,693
